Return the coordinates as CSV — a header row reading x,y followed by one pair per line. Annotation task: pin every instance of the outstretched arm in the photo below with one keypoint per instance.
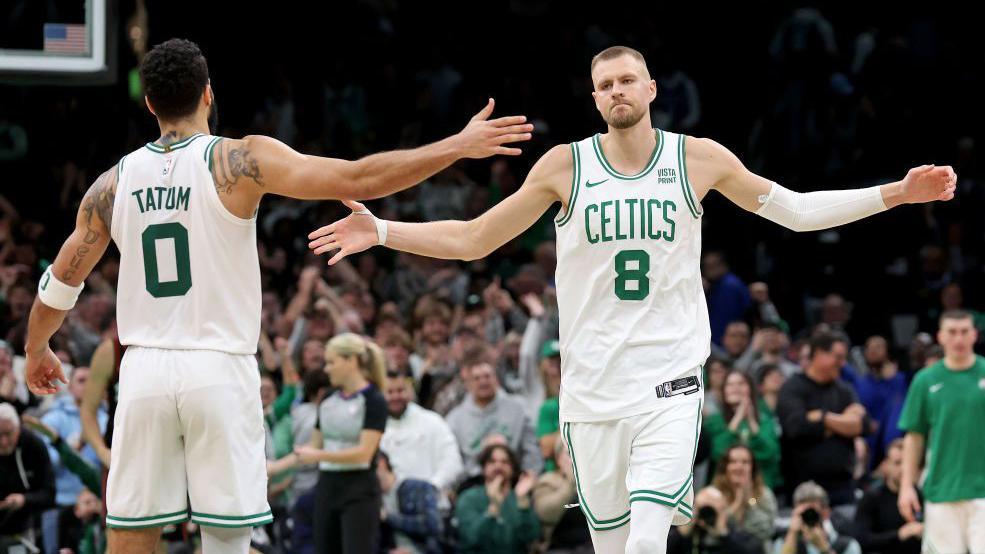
x,y
100,374
257,165
84,247
463,240
712,166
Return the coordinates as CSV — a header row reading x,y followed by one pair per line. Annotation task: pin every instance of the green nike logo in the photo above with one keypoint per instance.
x,y
589,184
47,279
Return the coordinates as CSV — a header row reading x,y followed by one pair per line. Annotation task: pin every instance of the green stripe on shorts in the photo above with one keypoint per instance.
x,y
597,524
212,520
230,518
673,499
149,521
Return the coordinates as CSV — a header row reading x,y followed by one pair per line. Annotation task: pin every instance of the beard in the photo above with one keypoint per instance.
x,y
624,119
214,117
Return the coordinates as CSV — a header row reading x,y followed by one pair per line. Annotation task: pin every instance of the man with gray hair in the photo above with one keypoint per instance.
x,y
27,483
810,529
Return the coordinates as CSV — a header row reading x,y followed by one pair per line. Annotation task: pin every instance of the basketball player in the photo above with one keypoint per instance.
x,y
182,212
634,323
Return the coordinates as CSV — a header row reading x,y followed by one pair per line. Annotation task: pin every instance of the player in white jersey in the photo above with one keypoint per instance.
x,y
634,324
182,209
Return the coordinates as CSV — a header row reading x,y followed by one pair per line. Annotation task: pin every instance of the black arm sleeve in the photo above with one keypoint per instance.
x,y
425,389
376,411
318,418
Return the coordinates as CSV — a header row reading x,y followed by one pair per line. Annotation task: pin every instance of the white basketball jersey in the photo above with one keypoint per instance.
x,y
189,269
632,306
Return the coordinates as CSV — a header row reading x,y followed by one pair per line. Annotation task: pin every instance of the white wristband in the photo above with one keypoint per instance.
x,y
381,228
56,294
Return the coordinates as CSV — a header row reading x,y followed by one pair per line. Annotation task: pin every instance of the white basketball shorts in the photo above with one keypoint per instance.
x,y
643,458
188,429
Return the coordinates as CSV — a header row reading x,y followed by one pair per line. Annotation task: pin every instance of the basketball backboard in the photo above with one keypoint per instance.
x,y
58,42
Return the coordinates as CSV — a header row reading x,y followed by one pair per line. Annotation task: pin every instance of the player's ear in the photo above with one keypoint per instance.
x,y
595,96
149,107
653,90
208,95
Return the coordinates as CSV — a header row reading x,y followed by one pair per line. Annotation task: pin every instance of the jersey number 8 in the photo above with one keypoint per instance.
x,y
632,281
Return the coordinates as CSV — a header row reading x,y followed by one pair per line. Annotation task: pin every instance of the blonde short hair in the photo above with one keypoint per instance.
x,y
614,52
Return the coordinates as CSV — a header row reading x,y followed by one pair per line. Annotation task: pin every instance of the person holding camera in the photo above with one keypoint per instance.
x,y
710,531
811,531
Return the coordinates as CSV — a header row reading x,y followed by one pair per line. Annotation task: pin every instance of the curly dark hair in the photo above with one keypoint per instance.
x,y
174,74
486,456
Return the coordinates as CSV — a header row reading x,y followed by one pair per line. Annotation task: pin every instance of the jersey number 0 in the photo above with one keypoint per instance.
x,y
152,277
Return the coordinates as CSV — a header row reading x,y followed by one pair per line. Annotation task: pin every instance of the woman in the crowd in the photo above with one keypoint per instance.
x,y
770,378
742,421
715,371
751,504
344,443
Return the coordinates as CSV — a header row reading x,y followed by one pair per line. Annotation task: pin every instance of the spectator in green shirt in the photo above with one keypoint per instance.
x,y
947,402
497,517
549,419
743,421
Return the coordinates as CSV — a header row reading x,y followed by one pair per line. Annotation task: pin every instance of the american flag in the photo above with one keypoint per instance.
x,y
65,38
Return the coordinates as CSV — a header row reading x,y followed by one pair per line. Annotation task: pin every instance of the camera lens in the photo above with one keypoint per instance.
x,y
810,517
708,515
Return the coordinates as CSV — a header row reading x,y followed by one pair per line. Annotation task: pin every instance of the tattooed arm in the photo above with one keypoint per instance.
x,y
261,164
84,247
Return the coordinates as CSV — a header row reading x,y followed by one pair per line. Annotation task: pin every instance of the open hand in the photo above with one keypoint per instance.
x,y
349,235
484,137
524,484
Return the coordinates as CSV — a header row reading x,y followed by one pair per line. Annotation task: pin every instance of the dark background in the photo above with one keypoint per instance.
x,y
799,95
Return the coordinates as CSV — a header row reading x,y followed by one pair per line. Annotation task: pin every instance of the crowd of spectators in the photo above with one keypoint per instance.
x,y
816,338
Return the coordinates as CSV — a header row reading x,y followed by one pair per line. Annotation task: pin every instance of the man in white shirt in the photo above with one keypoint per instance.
x,y
418,441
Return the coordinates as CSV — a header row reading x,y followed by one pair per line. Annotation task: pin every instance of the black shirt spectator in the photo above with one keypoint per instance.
x,y
80,523
27,482
878,524
821,417
879,527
